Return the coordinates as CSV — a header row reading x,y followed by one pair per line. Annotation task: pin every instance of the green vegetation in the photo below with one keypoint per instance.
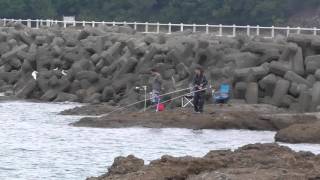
x,y
242,12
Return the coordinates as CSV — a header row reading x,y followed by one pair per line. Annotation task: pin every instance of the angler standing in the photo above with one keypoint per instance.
x,y
199,83
156,85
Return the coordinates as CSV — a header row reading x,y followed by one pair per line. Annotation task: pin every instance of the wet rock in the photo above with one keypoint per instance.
x,y
248,162
124,165
300,133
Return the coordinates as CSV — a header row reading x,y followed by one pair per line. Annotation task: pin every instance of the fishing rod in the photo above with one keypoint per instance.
x,y
153,106
135,103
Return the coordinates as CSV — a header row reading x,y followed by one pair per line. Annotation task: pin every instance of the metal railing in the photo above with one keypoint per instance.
x,y
146,27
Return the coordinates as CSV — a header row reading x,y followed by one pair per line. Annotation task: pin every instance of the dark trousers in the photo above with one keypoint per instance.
x,y
198,101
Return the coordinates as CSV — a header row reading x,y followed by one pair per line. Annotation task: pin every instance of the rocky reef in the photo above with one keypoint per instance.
x,y
258,161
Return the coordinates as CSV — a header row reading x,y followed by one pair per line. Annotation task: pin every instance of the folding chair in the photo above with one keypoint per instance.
x,y
223,95
188,99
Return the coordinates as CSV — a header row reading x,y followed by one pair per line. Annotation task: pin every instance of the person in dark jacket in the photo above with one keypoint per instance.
x,y
199,83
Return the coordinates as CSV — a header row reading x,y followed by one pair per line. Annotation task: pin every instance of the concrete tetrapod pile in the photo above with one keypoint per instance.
x,y
106,63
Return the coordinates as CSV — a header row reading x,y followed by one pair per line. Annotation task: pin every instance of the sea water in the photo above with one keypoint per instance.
x,y
37,143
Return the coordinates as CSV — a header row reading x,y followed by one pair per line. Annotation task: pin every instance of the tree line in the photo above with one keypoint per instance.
x,y
241,12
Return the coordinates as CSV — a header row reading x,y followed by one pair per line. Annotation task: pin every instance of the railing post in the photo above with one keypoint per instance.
x,y
158,27
93,24
248,30
147,27
272,32
37,23
103,23
194,29
220,30
64,24
258,30
29,23
288,31
315,31
4,22
19,20
83,23
113,23
74,23
48,23
135,25
207,28
299,30
234,30
181,27
169,28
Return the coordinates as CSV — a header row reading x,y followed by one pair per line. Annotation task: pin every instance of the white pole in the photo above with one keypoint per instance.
x,y
145,98
146,27
207,28
158,27
135,26
315,31
29,23
272,32
37,23
169,28
220,29
234,30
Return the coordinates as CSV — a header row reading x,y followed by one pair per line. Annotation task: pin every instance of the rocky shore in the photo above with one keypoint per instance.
x,y
291,127
258,161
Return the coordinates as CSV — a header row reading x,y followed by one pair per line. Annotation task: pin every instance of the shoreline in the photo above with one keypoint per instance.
x,y
293,128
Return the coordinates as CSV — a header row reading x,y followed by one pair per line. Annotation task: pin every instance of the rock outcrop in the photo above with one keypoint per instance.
x,y
258,161
300,133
